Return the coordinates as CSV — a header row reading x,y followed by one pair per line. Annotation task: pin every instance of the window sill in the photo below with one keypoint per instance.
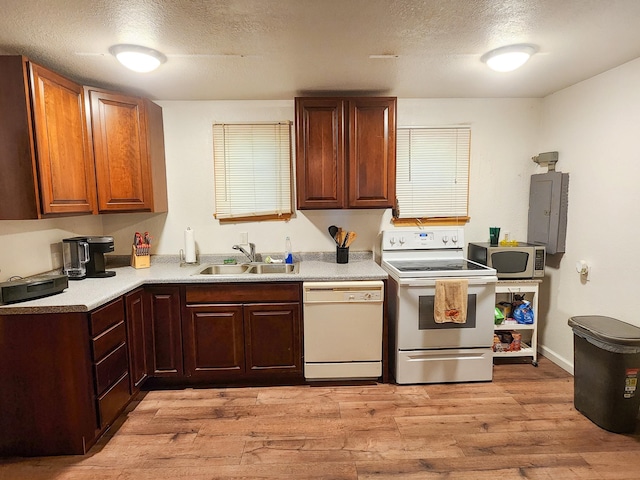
x,y
433,221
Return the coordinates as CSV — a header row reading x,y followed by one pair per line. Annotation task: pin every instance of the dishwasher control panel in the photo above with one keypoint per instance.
x,y
361,296
343,292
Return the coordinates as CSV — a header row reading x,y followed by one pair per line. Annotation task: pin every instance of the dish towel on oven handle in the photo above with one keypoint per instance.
x,y
451,301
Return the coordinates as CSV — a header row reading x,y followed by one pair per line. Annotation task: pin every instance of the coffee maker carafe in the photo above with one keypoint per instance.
x,y
75,255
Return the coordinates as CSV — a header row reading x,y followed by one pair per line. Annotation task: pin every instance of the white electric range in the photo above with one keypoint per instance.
x,y
426,351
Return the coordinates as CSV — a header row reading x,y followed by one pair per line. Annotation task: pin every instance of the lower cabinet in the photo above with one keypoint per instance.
x,y
138,333
214,340
110,361
272,338
165,346
64,379
243,332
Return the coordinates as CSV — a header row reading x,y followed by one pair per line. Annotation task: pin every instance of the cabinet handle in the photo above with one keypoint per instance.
x,y
513,289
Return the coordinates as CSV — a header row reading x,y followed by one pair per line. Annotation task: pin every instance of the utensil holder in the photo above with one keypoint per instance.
x,y
342,254
139,261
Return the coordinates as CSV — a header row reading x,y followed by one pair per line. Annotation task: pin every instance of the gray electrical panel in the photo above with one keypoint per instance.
x,y
548,199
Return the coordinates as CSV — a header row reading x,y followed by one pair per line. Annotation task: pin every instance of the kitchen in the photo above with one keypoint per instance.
x,y
591,123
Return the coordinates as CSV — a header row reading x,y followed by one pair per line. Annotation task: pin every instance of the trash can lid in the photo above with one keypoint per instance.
x,y
607,329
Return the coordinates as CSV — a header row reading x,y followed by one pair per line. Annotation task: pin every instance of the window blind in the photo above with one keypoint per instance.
x,y
252,170
432,172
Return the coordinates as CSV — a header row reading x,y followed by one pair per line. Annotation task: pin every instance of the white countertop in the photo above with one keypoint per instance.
x,y
90,293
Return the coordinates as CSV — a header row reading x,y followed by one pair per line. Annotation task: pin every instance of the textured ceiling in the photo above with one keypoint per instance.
x,y
277,49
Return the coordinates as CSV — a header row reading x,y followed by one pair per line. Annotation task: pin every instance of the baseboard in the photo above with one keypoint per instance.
x,y
555,358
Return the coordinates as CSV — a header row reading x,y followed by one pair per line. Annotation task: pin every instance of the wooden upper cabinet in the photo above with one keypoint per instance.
x,y
320,152
128,144
45,149
372,152
345,152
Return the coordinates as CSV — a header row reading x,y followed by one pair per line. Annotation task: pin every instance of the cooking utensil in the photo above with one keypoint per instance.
x,y
345,240
351,236
333,231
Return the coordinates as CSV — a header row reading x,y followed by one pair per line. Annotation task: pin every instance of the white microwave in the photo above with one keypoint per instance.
x,y
521,261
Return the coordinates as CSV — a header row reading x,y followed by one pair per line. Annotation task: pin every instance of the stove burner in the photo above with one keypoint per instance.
x,y
435,266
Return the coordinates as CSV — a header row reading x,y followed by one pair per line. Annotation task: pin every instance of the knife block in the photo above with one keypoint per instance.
x,y
139,261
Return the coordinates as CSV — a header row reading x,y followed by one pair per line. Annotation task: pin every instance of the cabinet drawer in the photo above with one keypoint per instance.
x,y
254,292
111,368
109,340
111,403
106,316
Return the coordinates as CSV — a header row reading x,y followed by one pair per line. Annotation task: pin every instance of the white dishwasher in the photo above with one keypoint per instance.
x,y
343,329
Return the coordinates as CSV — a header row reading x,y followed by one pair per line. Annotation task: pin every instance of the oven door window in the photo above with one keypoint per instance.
x,y
426,319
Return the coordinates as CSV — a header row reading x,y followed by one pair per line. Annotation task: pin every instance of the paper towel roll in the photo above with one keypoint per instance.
x,y
189,246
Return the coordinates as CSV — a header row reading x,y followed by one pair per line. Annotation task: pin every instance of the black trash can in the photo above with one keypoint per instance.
x,y
606,368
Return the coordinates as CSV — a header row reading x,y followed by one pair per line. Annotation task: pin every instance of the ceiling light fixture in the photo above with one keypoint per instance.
x,y
507,59
137,58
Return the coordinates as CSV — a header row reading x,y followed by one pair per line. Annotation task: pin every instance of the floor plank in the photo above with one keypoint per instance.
x,y
520,426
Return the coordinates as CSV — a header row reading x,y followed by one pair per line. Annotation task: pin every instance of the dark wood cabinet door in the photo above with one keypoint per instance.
x,y
345,152
47,401
214,340
165,348
372,152
272,338
320,152
123,171
65,161
136,319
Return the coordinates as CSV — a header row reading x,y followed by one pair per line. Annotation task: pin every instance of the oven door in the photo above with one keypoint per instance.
x,y
415,325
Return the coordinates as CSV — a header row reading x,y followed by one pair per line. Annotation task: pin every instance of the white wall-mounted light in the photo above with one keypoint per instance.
x,y
507,59
137,58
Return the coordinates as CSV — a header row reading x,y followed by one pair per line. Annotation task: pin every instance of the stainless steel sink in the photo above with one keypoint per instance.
x,y
225,269
250,268
276,268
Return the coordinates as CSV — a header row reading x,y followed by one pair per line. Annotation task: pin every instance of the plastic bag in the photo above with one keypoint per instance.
x,y
523,313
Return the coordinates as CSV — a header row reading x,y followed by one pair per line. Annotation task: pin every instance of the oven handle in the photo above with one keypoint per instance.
x,y
431,282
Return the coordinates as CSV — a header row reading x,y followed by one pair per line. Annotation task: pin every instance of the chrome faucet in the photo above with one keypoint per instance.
x,y
251,256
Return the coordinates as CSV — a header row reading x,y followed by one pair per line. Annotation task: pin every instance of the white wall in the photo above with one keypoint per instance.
x,y
29,247
504,135
594,126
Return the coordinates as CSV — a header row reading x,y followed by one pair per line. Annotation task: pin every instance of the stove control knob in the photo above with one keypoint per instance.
x,y
392,241
445,239
402,240
454,239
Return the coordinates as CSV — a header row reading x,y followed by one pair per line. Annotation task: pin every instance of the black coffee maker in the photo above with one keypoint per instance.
x,y
98,246
93,248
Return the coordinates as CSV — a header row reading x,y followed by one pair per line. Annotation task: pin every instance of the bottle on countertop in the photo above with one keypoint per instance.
x,y
288,256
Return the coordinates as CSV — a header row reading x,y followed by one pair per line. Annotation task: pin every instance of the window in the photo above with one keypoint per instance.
x,y
432,174
252,171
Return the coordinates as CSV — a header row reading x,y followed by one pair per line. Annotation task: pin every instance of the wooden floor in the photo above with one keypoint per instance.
x,y
521,425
